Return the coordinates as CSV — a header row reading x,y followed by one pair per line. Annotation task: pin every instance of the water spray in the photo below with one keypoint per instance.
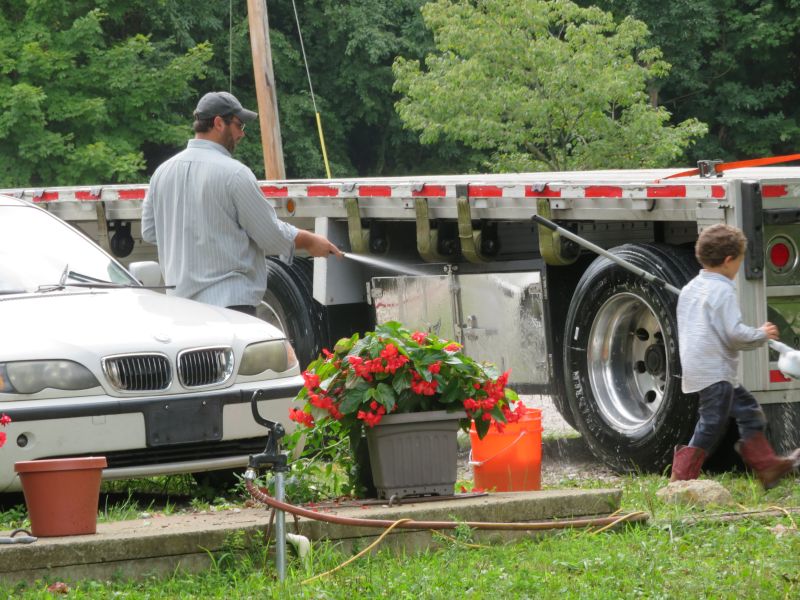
x,y
382,263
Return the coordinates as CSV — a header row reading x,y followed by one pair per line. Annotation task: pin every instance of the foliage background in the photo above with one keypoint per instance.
x,y
102,91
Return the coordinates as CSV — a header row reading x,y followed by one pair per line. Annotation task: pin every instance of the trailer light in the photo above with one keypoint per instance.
x,y
779,255
782,255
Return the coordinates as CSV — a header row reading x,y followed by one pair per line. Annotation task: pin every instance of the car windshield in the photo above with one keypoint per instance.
x,y
37,249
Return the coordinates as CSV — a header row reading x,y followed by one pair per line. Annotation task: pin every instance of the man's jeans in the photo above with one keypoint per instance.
x,y
719,402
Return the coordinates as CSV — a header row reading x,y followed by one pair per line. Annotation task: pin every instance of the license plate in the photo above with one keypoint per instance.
x,y
183,422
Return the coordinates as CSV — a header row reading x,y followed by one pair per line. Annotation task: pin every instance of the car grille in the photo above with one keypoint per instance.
x,y
138,372
205,366
182,453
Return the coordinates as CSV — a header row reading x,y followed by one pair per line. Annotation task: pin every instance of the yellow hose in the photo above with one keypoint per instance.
x,y
322,143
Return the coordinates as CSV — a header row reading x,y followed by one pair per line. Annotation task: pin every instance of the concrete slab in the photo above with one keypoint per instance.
x,y
162,544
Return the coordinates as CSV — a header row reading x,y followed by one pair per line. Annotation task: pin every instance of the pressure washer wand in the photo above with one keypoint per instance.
x,y
649,277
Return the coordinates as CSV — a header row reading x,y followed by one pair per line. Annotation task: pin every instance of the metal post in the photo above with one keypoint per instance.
x,y
280,528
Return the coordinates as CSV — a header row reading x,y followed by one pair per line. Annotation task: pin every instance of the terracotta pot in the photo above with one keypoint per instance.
x,y
62,495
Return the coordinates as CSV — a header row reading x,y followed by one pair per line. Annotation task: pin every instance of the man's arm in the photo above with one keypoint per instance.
x,y
148,220
271,234
315,244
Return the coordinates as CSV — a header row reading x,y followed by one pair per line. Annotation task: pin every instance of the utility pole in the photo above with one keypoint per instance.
x,y
265,89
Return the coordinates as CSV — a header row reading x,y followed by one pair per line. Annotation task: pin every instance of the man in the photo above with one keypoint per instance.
x,y
209,219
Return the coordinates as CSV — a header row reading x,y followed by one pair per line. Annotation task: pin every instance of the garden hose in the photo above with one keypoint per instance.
x,y
261,496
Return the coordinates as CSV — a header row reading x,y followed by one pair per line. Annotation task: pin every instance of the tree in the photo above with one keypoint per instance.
x,y
735,67
80,103
350,47
540,85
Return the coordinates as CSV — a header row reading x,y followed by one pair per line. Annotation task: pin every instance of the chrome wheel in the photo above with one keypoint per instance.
x,y
627,362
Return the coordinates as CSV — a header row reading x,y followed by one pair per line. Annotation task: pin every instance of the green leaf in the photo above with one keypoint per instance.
x,y
344,345
481,427
353,399
385,395
402,380
451,392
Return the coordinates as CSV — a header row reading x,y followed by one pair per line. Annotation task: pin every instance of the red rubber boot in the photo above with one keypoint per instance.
x,y
758,454
686,463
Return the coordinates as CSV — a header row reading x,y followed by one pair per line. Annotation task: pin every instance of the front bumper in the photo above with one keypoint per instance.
x,y
143,436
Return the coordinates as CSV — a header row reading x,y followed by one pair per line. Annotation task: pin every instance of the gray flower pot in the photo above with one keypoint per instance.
x,y
414,454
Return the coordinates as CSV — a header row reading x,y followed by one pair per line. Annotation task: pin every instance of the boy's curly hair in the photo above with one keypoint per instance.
x,y
717,242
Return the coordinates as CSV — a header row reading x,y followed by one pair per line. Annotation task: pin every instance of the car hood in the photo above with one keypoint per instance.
x,y
111,321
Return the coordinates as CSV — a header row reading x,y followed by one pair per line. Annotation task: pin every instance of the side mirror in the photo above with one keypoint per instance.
x,y
148,272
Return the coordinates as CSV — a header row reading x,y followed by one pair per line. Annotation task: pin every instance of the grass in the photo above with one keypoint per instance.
x,y
683,552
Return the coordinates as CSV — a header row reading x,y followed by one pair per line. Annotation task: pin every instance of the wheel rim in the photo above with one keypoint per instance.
x,y
627,362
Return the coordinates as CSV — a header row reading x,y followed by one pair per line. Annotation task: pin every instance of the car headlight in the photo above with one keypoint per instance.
x,y
31,376
277,355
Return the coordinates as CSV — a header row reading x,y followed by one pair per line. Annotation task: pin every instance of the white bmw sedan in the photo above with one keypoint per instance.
x,y
93,363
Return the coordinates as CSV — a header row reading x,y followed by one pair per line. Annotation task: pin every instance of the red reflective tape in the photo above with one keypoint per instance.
x,y
602,191
86,196
132,194
717,191
777,377
273,191
774,191
485,191
374,190
547,192
46,197
322,190
667,191
438,191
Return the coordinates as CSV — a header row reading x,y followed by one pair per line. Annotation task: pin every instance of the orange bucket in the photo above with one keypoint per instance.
x,y
510,461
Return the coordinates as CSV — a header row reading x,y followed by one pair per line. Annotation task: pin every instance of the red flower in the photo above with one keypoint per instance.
x,y
422,387
5,420
311,380
370,419
362,368
435,367
394,360
295,414
419,337
471,405
453,347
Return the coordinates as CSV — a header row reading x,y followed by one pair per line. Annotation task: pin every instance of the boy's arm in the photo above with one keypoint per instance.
x,y
739,335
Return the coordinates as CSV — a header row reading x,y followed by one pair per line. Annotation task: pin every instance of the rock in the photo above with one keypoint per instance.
x,y
702,492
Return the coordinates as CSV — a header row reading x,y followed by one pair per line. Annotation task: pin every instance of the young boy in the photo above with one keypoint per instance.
x,y
710,336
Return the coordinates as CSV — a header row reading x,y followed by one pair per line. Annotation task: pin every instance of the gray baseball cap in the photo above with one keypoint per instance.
x,y
222,104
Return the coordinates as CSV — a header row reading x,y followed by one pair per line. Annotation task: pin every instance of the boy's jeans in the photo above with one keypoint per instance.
x,y
719,402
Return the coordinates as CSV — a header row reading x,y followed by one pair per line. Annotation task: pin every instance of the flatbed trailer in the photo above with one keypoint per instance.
x,y
601,341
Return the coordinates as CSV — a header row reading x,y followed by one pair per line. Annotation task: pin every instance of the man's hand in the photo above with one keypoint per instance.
x,y
771,331
315,244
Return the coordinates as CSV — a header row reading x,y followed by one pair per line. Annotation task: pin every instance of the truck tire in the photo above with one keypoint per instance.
x,y
621,364
289,305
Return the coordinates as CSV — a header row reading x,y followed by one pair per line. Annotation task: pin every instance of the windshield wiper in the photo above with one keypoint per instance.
x,y
87,281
